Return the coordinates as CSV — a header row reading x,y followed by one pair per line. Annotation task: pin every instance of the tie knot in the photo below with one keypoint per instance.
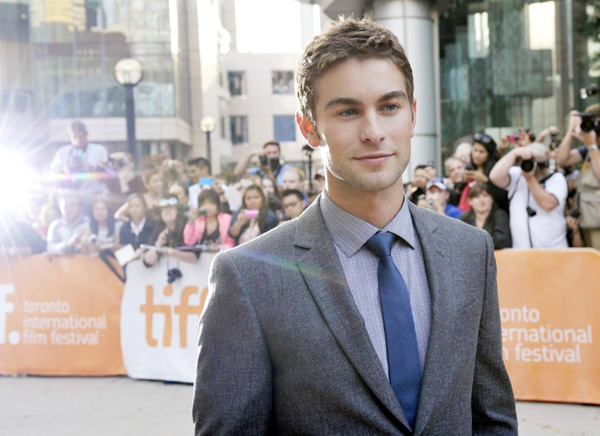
x,y
381,244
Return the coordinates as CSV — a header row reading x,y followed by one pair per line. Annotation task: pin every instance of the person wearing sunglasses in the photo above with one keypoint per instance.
x,y
537,197
483,158
169,234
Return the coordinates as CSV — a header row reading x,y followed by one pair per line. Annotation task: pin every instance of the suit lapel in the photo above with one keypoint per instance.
x,y
438,370
322,271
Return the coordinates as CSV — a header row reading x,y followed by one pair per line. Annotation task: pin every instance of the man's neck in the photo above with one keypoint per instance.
x,y
375,207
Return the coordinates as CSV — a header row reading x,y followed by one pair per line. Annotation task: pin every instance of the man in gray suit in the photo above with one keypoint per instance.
x,y
319,327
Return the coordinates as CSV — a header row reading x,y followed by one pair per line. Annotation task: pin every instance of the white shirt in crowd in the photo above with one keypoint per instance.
x,y
136,230
544,229
60,233
93,155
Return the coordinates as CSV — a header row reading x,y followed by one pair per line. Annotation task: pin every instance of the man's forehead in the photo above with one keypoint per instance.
x,y
355,92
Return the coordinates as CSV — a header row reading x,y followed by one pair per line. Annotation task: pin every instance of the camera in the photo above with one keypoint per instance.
x,y
250,213
93,239
527,165
531,212
173,274
589,91
118,163
75,164
554,141
589,123
575,213
264,161
514,137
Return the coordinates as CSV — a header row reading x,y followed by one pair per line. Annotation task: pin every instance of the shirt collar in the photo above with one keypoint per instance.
x,y
136,230
351,233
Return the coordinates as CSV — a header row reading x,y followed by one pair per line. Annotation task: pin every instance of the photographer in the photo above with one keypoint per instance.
x,y
81,157
586,128
536,197
270,163
126,182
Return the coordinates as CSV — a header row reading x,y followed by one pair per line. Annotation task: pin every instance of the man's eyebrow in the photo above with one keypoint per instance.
x,y
353,102
394,94
342,101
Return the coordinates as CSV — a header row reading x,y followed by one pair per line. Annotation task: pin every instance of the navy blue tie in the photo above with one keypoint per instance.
x,y
404,364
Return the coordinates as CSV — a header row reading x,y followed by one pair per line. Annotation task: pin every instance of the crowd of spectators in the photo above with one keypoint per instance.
x,y
528,191
96,203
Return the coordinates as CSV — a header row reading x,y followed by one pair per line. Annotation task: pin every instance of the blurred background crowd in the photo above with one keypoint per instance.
x,y
529,190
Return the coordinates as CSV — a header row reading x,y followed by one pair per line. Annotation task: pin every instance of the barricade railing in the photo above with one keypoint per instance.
x,y
72,316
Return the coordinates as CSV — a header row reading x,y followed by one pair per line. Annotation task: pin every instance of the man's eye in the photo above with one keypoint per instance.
x,y
391,107
348,113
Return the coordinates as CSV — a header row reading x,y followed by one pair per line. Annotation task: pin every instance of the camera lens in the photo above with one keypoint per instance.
x,y
527,165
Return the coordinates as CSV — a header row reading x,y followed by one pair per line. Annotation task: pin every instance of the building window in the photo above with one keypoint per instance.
x,y
239,129
283,82
237,82
284,128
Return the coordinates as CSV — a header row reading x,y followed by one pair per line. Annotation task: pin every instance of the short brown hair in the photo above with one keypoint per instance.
x,y
595,109
275,143
347,38
478,188
77,126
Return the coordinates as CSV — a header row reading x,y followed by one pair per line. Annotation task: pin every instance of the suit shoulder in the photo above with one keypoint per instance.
x,y
453,229
275,242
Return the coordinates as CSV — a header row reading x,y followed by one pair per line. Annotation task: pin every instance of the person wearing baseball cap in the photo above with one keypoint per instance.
x,y
437,195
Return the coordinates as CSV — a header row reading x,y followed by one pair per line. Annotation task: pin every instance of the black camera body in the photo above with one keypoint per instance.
x,y
589,123
528,165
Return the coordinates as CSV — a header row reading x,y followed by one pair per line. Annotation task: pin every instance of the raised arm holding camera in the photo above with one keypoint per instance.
x,y
585,126
536,196
270,163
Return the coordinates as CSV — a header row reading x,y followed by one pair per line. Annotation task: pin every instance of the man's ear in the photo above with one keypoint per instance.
x,y
308,130
414,117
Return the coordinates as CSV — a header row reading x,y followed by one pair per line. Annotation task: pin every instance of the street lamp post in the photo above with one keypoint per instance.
x,y
207,125
128,73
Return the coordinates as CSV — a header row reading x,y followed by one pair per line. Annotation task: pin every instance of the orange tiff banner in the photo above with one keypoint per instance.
x,y
549,302
59,316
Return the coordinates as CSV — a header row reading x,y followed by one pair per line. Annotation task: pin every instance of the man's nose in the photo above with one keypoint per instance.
x,y
371,129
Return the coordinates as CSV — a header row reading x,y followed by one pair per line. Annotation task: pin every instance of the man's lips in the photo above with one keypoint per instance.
x,y
374,158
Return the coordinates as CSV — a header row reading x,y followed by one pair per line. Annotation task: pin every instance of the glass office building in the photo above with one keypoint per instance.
x,y
76,43
509,64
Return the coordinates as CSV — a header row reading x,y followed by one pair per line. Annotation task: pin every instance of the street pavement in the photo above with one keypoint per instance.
x,y
120,406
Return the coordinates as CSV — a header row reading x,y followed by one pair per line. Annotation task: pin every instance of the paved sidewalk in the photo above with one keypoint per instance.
x,y
102,406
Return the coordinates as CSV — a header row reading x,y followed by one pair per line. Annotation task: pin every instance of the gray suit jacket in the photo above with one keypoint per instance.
x,y
284,350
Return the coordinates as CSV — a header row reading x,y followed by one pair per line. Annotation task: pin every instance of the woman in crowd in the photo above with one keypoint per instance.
x,y
270,186
139,229
169,234
104,229
154,183
179,190
208,226
126,182
253,218
485,214
221,186
483,158
272,193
